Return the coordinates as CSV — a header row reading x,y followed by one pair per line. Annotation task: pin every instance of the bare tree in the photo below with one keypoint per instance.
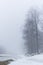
x,y
31,32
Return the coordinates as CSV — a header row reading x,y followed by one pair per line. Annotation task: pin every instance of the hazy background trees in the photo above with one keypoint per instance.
x,y
31,32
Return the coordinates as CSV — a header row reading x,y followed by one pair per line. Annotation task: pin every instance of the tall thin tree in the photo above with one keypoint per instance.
x,y
31,32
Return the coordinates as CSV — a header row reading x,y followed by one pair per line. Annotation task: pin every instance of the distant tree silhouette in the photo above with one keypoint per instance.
x,y
30,32
2,50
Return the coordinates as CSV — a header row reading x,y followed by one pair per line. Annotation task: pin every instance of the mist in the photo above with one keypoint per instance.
x,y
12,18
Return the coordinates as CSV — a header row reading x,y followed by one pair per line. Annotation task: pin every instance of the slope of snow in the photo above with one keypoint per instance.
x,y
34,60
4,57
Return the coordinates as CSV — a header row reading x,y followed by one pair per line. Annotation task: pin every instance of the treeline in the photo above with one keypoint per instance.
x,y
31,34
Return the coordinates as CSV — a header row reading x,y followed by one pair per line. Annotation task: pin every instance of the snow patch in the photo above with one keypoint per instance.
x,y
34,60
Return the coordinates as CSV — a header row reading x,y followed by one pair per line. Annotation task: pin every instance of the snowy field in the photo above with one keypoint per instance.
x,y
34,60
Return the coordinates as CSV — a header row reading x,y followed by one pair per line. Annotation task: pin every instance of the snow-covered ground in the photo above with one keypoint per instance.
x,y
4,57
33,60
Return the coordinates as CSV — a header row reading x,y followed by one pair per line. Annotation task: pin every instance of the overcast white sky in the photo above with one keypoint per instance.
x,y
12,18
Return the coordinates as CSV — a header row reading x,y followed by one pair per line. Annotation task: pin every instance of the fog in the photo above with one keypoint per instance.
x,y
12,18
